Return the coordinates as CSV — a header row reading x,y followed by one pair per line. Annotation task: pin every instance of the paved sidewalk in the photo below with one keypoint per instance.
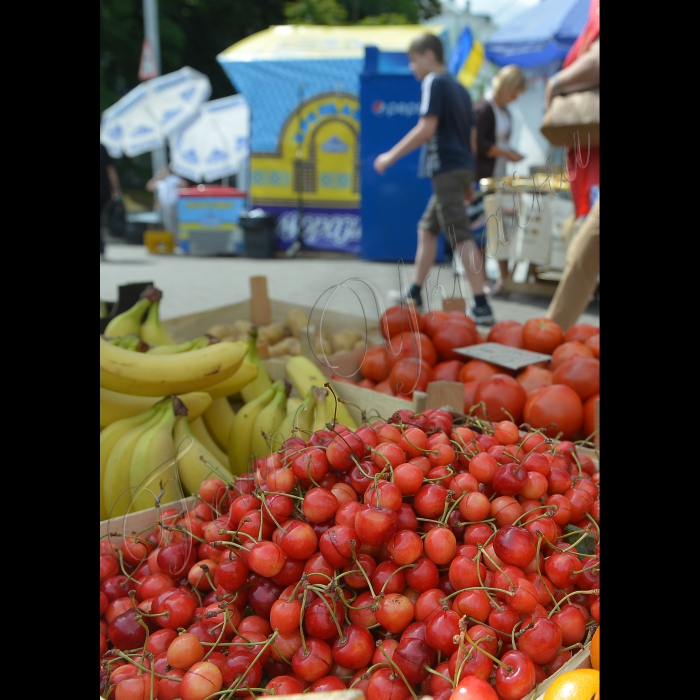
x,y
191,284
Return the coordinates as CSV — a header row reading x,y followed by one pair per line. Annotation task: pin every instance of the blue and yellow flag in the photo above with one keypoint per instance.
x,y
467,58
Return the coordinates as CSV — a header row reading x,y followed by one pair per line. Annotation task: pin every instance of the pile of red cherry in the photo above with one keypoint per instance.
x,y
420,555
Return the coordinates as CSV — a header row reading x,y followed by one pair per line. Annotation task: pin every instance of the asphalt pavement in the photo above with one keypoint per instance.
x,y
191,284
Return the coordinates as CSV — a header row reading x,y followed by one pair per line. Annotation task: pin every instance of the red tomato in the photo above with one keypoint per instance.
x,y
366,383
593,343
589,415
580,331
433,320
397,319
408,375
507,333
542,335
554,409
503,396
533,377
447,371
454,333
374,365
384,387
477,370
410,344
469,392
570,348
582,374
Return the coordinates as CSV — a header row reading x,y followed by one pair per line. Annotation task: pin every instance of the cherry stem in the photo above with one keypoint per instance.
x,y
400,672
270,640
563,599
364,573
546,514
396,571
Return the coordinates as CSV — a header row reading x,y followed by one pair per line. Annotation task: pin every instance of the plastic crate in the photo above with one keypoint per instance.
x,y
159,242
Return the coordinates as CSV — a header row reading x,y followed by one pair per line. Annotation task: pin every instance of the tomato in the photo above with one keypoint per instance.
x,y
554,409
593,343
433,320
503,396
374,365
469,393
384,387
410,344
582,374
397,319
477,370
581,332
542,335
366,383
589,414
570,348
454,333
447,371
533,377
408,375
507,333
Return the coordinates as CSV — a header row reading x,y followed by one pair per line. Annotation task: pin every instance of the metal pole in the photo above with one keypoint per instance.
x,y
159,156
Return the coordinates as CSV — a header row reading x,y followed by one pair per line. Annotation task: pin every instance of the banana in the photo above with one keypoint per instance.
x,y
232,386
322,415
152,330
116,479
300,417
129,342
192,463
111,435
241,435
218,418
115,406
144,374
303,374
287,426
264,441
262,382
199,430
129,322
152,467
175,348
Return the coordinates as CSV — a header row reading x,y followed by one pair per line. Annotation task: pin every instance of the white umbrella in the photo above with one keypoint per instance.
x,y
215,144
142,120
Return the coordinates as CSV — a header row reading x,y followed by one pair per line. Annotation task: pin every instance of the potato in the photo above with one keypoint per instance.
x,y
221,330
242,326
271,334
296,321
344,340
286,346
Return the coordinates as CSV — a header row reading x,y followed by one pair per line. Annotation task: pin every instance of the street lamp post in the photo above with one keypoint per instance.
x,y
159,156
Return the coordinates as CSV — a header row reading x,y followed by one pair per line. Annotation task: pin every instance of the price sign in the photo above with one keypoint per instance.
x,y
503,355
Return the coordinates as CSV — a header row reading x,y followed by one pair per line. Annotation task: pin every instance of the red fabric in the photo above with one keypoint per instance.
x,y
586,172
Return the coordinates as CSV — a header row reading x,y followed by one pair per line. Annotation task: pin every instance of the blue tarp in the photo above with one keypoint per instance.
x,y
540,35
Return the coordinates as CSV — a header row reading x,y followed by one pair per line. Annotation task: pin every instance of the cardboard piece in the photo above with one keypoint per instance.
x,y
260,312
454,304
139,520
503,355
443,393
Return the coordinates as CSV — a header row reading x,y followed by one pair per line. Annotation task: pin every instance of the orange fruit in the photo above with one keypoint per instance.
x,y
595,649
579,684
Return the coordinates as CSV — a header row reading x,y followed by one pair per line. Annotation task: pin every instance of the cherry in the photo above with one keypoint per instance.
x,y
540,639
428,604
405,547
319,505
375,525
336,544
125,631
412,656
242,667
361,474
407,519
515,677
475,663
440,545
319,621
395,612
318,570
510,479
473,688
441,629
563,569
179,608
262,594
362,612
388,577
572,623
430,501
385,684
314,661
464,572
118,586
515,545
474,604
355,649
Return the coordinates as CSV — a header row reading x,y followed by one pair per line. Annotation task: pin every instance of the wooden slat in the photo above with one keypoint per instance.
x,y
140,520
442,393
260,311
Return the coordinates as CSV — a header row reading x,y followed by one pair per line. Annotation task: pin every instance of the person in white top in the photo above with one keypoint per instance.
x,y
493,151
165,184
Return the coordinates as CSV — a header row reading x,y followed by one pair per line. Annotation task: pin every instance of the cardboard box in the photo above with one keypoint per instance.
x,y
123,526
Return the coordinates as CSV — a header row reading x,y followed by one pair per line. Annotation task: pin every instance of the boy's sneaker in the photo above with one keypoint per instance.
x,y
482,315
396,299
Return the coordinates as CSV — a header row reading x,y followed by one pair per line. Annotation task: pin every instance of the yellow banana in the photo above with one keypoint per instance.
x,y
144,374
111,435
200,431
232,386
321,414
115,406
129,322
152,330
286,427
241,435
192,464
152,468
116,482
264,440
218,418
262,382
303,374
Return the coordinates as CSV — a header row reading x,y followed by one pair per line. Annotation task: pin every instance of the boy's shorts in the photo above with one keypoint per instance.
x,y
446,210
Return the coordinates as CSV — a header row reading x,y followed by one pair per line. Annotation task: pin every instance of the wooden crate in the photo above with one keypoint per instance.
x,y
118,528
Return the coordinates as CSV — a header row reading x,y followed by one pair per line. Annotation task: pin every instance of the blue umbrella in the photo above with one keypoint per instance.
x,y
540,35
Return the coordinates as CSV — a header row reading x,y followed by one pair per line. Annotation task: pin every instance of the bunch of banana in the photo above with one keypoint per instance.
x,y
129,322
174,348
147,374
129,342
303,374
152,330
218,418
265,437
245,424
300,417
262,381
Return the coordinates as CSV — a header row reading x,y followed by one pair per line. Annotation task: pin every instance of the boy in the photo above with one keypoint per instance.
x,y
447,134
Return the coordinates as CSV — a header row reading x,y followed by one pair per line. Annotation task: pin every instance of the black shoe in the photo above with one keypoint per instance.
x,y
396,299
482,315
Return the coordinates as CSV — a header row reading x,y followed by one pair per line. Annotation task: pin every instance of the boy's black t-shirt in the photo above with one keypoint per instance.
x,y
449,148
